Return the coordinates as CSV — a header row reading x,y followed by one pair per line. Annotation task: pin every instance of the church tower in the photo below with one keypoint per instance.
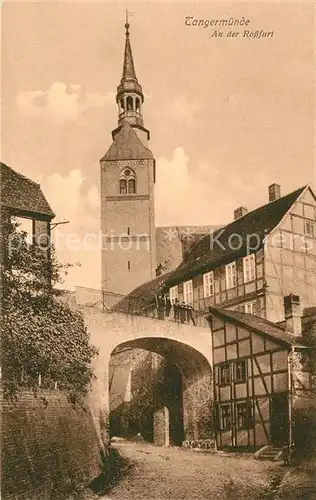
x,y
127,191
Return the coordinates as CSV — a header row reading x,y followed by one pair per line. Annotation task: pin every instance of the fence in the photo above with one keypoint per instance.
x,y
151,307
97,298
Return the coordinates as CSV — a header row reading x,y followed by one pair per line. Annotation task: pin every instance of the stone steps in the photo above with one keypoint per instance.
x,y
269,453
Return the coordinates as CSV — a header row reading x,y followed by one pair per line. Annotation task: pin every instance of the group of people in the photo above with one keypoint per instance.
x,y
181,312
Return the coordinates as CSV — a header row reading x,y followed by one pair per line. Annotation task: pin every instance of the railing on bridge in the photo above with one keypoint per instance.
x,y
100,299
158,307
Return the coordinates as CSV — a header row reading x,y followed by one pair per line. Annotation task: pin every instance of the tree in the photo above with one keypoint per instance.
x,y
41,334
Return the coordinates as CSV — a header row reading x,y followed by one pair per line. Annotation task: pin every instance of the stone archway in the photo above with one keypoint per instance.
x,y
177,384
186,346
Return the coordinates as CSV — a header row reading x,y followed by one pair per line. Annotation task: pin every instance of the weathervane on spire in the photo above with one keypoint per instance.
x,y
128,14
127,25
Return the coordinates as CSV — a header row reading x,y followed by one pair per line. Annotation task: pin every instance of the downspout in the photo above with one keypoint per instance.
x,y
215,412
290,401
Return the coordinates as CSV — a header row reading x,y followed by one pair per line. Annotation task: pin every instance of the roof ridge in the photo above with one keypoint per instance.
x,y
21,193
301,189
19,174
247,314
119,151
126,124
257,209
247,319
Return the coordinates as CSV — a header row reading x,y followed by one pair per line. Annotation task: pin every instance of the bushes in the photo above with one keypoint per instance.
x,y
41,335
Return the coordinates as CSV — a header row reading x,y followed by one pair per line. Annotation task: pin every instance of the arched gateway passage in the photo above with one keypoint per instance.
x,y
161,388
187,352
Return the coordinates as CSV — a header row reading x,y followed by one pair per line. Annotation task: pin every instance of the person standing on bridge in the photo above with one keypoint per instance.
x,y
176,310
161,306
183,310
190,314
168,306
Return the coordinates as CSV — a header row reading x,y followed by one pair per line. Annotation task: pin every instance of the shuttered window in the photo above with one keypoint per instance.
x,y
188,292
208,284
249,265
231,277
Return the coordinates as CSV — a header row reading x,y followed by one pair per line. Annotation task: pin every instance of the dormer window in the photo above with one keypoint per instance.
x,y
127,181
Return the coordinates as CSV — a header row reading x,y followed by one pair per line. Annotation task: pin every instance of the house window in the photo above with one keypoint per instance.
x,y
249,307
25,226
225,417
129,265
244,414
240,371
208,284
188,292
310,229
231,277
224,374
173,294
249,265
127,181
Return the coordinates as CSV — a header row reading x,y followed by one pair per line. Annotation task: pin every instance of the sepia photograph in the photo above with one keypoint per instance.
x,y
158,250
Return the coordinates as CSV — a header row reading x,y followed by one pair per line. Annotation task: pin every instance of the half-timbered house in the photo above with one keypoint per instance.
x,y
254,261
255,378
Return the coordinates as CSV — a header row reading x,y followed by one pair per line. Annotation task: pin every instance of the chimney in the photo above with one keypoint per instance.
x,y
274,192
240,212
292,314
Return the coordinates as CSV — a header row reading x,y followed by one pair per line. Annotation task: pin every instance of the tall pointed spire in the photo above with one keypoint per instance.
x,y
128,66
129,95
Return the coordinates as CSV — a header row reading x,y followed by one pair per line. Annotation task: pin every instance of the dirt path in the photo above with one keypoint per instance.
x,y
171,473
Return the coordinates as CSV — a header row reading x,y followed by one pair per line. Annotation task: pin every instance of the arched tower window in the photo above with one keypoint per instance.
x,y
129,103
127,181
137,105
131,186
123,186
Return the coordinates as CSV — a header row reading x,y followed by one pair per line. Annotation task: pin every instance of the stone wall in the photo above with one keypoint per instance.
x,y
47,445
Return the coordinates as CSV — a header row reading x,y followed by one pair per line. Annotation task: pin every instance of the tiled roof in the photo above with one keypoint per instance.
x,y
143,296
309,311
21,193
127,146
260,325
216,250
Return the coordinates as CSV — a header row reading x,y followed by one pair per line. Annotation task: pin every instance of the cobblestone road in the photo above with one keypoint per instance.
x,y
171,473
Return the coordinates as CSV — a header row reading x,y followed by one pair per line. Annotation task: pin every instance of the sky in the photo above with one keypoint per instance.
x,y
228,116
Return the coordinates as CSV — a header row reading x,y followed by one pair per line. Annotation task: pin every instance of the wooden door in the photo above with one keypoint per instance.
x,y
279,421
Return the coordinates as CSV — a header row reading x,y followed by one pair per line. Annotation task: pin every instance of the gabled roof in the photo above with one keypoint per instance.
x,y
143,296
259,325
218,248
127,146
20,193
